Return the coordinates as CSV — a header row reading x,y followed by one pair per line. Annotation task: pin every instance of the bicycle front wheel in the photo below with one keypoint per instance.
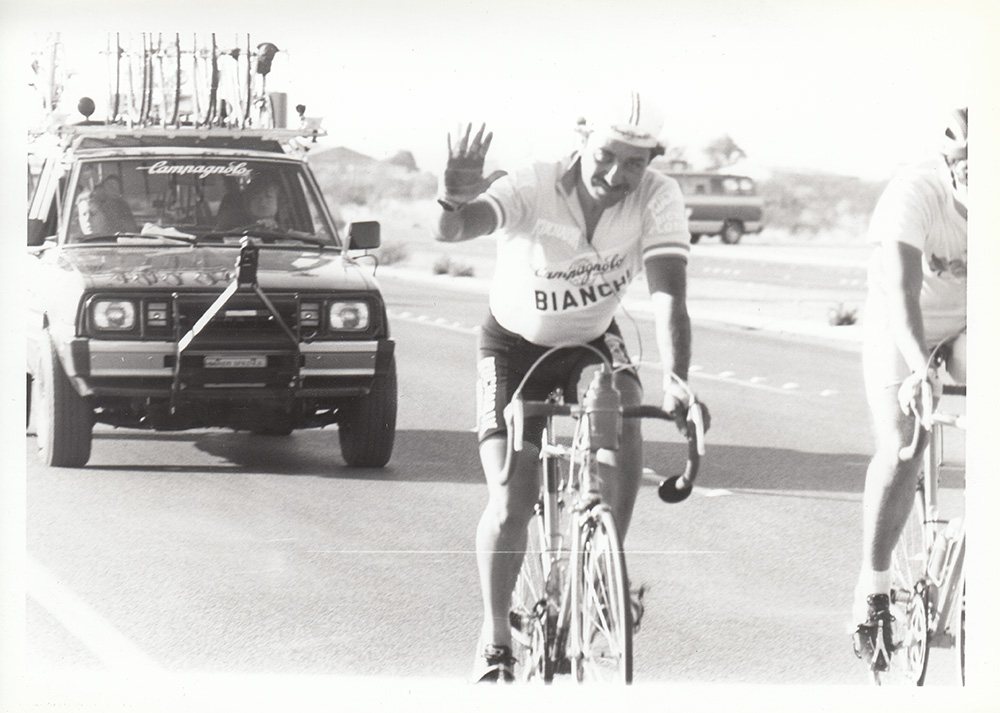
x,y
908,597
602,611
529,616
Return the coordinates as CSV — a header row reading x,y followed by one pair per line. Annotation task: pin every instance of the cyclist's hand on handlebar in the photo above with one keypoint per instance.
x,y
463,176
677,399
909,392
705,415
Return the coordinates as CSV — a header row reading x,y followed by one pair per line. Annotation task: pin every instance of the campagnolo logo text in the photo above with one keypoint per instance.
x,y
198,169
583,271
592,282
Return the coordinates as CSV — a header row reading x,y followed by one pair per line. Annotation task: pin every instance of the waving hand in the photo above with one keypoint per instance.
x,y
463,176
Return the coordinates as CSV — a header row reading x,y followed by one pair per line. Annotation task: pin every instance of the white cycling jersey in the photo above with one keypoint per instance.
x,y
917,208
551,286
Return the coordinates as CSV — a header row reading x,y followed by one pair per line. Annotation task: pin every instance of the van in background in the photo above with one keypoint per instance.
x,y
726,205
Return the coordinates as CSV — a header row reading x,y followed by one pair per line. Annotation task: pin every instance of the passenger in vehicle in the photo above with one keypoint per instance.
x,y
92,214
119,212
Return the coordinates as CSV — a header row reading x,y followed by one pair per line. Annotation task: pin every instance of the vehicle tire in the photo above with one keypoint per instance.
x,y
367,424
732,232
529,616
695,237
603,612
908,604
273,431
64,421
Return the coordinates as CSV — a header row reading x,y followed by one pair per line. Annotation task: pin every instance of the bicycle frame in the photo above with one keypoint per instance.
x,y
928,561
570,508
945,577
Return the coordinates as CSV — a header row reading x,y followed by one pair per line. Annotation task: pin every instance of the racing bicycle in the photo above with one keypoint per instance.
x,y
571,611
927,591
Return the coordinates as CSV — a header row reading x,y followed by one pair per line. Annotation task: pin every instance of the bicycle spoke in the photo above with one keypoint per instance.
x,y
604,618
910,635
535,605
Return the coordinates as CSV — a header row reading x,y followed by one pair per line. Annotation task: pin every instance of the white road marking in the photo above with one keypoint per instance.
x,y
437,322
116,652
758,382
653,477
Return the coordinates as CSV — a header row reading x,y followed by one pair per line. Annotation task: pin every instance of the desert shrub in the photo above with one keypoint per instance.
x,y
372,182
462,270
810,204
840,316
444,265
391,253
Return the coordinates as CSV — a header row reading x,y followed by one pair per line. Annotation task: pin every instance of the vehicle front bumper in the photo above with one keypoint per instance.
x,y
149,369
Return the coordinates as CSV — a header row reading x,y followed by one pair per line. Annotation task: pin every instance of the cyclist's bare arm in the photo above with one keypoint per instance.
x,y
903,274
462,216
667,280
470,221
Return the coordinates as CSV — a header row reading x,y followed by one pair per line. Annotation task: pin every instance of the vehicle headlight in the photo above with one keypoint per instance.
x,y
113,315
349,316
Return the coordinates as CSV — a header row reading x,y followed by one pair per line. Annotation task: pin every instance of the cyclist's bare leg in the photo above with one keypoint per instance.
x,y
621,481
889,484
502,532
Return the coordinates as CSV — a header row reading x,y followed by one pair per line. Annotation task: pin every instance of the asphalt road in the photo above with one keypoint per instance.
x,y
216,560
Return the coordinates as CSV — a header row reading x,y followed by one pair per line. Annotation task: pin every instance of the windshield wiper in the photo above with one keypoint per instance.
x,y
114,237
267,235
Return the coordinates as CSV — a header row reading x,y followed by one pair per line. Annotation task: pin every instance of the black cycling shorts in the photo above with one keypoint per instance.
x,y
505,357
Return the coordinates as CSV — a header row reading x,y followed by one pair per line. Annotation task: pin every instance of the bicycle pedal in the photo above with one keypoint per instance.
x,y
636,598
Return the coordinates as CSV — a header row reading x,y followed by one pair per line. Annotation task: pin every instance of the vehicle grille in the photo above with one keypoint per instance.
x,y
245,318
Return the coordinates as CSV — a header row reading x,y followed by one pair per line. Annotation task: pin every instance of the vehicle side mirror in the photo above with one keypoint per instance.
x,y
364,235
36,232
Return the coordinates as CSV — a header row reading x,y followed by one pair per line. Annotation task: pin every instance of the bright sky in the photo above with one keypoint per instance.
x,y
845,85
854,87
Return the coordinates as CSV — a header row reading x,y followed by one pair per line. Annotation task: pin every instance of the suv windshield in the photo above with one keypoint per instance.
x,y
192,197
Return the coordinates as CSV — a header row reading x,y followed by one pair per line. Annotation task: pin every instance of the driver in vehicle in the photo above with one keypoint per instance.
x,y
257,204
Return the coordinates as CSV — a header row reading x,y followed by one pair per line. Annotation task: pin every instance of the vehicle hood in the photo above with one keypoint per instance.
x,y
200,268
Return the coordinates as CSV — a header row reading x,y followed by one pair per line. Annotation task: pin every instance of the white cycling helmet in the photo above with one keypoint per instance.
x,y
629,117
955,141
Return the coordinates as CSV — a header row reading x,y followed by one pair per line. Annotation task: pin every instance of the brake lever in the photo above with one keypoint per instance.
x,y
677,488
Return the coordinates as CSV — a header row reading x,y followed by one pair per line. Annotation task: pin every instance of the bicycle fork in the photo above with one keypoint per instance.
x,y
556,586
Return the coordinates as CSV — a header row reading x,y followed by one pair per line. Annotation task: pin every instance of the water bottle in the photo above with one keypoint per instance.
x,y
937,557
603,406
941,550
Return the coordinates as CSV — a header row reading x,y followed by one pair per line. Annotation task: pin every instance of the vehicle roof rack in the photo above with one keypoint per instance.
x,y
112,131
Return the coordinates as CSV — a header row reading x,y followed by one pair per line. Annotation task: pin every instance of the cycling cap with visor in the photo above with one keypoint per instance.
x,y
955,139
628,117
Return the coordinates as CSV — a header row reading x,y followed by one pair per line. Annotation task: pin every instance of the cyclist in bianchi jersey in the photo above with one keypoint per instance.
x,y
571,235
916,298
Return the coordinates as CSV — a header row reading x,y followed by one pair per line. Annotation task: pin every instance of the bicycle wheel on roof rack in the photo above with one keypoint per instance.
x,y
602,643
908,604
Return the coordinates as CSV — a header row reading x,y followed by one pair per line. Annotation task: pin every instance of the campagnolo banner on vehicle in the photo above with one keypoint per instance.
x,y
175,168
